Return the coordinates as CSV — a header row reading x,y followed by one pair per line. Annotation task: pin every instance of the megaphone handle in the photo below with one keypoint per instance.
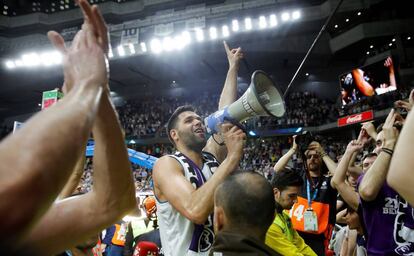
x,y
236,123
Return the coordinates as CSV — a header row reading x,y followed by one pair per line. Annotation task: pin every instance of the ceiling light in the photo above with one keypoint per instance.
x,y
262,22
168,44
367,53
46,59
248,23
347,20
371,46
336,26
31,59
390,44
359,13
199,35
273,20
213,33
18,63
225,31
285,16
393,39
409,38
56,57
10,64
235,25
143,47
295,15
156,46
131,48
307,74
186,37
121,51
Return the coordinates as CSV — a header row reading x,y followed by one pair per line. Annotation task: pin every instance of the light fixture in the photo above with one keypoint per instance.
x,y
199,35
10,64
336,26
371,46
248,23
409,38
225,31
131,48
296,15
156,46
359,13
121,51
168,44
393,40
186,37
46,59
347,20
368,53
235,25
273,20
213,32
285,16
143,47
31,59
18,63
390,44
307,74
262,22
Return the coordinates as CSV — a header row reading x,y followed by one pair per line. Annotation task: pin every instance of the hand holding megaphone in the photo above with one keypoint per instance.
x,y
262,98
234,139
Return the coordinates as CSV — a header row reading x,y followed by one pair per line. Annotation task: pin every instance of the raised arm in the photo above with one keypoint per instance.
x,y
330,164
348,193
75,177
375,177
228,96
196,205
41,155
284,160
71,221
400,177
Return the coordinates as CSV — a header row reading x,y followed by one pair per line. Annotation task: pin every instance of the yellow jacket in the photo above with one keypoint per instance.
x,y
282,238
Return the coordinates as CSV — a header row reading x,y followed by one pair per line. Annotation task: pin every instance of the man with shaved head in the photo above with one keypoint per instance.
x,y
244,208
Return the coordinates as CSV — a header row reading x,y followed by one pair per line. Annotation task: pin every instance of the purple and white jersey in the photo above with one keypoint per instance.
x,y
384,219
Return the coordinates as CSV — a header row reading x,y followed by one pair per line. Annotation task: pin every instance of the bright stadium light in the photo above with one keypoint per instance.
x,y
273,20
296,15
110,53
213,33
31,59
10,64
235,25
248,23
199,35
262,22
46,59
156,46
225,31
168,44
186,37
178,42
143,47
121,50
131,48
18,63
285,16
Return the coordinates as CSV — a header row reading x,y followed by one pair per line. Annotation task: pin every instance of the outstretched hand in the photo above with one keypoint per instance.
x,y
233,55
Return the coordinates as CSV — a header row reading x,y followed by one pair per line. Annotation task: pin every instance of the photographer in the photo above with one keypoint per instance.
x,y
314,214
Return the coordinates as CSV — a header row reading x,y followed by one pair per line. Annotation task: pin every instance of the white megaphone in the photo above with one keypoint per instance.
x,y
262,98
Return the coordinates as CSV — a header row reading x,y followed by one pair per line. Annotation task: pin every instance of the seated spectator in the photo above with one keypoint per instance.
x,y
281,236
243,211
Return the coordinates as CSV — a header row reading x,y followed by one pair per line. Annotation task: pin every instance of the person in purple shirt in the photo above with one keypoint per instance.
x,y
383,209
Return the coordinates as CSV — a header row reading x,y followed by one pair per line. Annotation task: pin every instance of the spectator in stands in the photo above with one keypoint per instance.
x,y
60,134
383,209
317,199
281,236
243,211
184,183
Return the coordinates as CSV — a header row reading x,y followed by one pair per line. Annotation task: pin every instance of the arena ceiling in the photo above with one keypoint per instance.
x,y
200,66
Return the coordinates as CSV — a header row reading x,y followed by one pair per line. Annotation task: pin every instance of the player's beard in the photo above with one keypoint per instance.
x,y
192,141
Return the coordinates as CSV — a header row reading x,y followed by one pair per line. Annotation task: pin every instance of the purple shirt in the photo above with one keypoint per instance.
x,y
383,219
